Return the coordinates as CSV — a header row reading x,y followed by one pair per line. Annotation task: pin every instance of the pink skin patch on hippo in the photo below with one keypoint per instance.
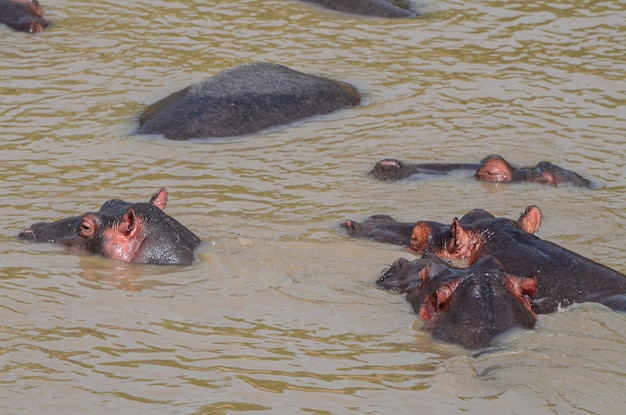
x,y
389,163
530,220
123,241
521,288
159,199
420,238
437,302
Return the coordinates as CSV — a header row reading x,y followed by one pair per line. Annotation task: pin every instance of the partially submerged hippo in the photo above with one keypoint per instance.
x,y
563,277
380,228
384,228
244,100
469,307
23,15
493,168
378,8
129,232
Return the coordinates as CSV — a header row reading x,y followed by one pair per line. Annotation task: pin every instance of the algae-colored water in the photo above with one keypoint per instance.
x,y
280,315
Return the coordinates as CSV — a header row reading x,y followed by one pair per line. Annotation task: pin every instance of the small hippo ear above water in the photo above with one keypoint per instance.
x,y
460,238
444,292
418,241
424,274
522,286
160,198
530,220
350,226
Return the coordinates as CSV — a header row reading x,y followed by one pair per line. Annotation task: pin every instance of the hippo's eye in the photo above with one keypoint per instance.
x,y
86,228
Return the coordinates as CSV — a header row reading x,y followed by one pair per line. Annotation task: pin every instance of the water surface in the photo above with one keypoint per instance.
x,y
280,314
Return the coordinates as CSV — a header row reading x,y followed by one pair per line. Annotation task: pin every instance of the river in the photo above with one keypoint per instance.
x,y
279,314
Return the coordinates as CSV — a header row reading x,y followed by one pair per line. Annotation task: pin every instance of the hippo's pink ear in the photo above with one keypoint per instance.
x,y
444,292
523,286
129,225
530,220
424,274
419,237
159,199
460,238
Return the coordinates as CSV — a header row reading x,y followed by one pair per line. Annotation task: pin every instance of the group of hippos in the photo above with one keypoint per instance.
x,y
509,275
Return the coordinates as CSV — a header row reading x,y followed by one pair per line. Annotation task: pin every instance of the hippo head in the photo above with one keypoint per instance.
x,y
465,238
390,169
24,15
465,306
551,174
471,307
404,276
129,232
494,168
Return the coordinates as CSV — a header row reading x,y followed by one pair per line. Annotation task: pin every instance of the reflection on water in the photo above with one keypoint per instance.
x,y
280,313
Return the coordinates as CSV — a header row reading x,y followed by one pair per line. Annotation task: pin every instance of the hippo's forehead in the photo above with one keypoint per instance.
x,y
113,211
487,285
114,206
475,216
545,165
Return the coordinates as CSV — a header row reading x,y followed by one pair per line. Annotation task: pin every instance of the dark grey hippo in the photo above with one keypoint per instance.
x,y
244,100
131,232
377,8
493,168
23,15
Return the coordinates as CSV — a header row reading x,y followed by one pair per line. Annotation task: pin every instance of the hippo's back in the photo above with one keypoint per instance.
x,y
243,100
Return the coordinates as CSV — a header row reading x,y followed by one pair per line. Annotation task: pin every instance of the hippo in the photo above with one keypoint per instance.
x,y
375,8
244,100
384,228
130,232
393,169
563,277
380,228
23,15
469,307
493,168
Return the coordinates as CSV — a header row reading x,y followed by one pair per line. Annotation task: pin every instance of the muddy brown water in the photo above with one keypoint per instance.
x,y
280,313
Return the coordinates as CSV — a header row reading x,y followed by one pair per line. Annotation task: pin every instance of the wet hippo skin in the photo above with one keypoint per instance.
x,y
563,277
129,232
23,15
384,228
493,168
378,8
244,100
470,307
